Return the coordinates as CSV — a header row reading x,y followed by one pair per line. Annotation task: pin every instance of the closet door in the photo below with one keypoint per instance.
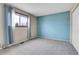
x,y
75,28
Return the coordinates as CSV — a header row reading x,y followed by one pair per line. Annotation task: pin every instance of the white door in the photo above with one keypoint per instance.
x,y
75,28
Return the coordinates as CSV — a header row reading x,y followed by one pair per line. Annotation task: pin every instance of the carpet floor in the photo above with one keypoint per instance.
x,y
40,47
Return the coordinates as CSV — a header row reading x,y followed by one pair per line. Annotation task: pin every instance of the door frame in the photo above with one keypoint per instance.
x,y
71,12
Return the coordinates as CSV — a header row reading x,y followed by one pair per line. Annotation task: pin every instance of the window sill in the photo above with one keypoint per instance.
x,y
21,26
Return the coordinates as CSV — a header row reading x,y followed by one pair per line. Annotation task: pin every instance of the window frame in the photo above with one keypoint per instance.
x,y
19,25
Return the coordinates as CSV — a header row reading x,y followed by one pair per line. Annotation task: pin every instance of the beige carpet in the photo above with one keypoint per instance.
x,y
40,47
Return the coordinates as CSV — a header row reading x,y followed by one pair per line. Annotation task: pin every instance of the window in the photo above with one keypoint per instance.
x,y
23,20
20,20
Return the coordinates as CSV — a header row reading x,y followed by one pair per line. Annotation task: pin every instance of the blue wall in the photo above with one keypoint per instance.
x,y
54,26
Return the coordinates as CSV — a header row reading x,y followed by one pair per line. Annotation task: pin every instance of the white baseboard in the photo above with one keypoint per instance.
x,y
53,39
16,43
1,48
34,38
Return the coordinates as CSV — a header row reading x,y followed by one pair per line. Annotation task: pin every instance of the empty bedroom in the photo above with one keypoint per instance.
x,y
39,29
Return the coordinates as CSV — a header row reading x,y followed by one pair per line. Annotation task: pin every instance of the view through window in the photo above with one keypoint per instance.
x,y
19,20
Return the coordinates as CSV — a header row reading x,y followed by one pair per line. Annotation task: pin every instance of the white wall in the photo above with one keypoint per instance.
x,y
75,28
33,23
20,34
2,37
1,25
33,27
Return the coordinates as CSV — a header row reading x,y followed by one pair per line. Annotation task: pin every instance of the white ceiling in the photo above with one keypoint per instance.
x,y
41,9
